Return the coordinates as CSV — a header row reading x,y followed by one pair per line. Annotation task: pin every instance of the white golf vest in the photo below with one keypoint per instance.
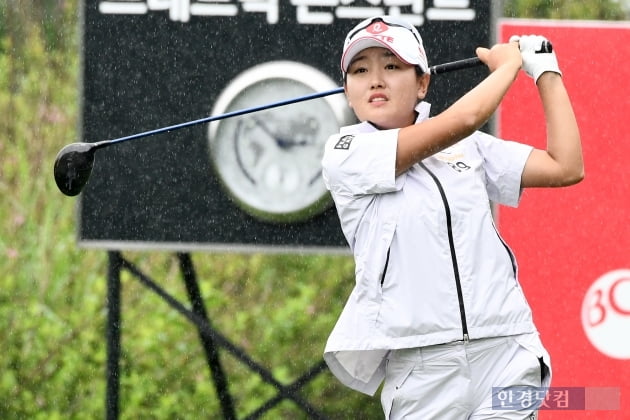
x,y
430,265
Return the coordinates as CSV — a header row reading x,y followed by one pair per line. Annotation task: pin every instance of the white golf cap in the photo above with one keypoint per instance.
x,y
395,34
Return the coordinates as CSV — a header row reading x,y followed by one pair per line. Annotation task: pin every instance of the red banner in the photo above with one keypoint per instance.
x,y
573,244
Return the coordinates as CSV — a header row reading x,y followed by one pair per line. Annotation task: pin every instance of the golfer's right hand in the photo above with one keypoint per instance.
x,y
500,55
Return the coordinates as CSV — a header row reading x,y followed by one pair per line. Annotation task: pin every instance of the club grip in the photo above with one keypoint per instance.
x,y
546,47
467,63
456,65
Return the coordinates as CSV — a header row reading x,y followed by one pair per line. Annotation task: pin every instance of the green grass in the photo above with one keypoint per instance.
x,y
279,308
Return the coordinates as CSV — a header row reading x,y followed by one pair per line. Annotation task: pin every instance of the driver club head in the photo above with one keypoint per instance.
x,y
73,166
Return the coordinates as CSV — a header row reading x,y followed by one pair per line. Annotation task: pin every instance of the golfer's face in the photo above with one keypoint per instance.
x,y
382,89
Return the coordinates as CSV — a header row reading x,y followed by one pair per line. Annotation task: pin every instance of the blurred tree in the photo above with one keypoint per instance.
x,y
50,17
566,9
44,28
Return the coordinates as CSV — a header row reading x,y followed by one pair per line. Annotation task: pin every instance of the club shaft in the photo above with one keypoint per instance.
x,y
223,116
438,69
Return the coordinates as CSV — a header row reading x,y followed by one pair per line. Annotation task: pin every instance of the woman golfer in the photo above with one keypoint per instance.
x,y
437,311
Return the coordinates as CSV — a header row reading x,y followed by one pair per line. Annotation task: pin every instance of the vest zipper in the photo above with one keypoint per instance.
x,y
509,252
451,243
385,268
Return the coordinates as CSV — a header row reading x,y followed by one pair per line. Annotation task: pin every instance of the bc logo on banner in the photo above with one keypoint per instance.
x,y
606,314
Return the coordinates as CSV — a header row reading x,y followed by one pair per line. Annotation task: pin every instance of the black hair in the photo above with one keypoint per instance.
x,y
419,72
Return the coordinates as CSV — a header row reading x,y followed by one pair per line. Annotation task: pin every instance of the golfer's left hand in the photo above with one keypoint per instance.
x,y
535,61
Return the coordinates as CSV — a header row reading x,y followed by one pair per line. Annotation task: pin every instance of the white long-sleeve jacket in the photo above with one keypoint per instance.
x,y
430,265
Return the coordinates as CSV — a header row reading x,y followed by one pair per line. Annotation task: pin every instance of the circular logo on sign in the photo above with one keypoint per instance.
x,y
606,314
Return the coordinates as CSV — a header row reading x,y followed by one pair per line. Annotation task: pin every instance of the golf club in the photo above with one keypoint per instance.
x,y
74,163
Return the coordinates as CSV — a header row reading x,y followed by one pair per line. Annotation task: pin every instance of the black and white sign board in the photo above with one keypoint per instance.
x,y
244,183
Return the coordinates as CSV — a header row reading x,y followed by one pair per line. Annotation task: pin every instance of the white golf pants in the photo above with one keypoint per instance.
x,y
456,381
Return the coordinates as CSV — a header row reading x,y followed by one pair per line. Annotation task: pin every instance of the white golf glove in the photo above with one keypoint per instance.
x,y
536,62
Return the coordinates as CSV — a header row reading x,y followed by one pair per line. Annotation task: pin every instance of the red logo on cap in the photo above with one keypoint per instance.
x,y
377,28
